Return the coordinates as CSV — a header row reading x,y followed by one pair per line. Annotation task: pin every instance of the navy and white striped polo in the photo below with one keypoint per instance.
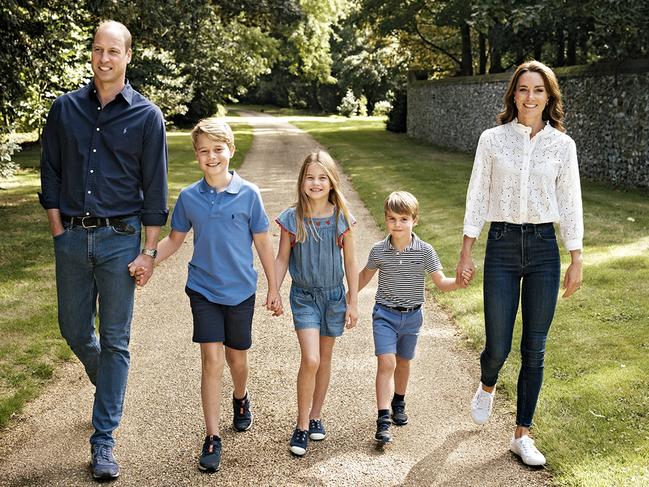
x,y
402,273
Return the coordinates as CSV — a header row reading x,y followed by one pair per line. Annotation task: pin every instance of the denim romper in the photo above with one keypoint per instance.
x,y
316,267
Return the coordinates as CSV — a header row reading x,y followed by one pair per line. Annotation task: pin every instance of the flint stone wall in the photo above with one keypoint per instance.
x,y
606,106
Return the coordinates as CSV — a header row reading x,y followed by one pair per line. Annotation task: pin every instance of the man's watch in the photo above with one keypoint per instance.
x,y
150,252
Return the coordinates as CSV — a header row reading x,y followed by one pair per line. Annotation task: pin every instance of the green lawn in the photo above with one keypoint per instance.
x,y
30,343
592,419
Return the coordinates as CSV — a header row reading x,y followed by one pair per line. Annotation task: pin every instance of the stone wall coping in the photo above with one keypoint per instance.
x,y
610,68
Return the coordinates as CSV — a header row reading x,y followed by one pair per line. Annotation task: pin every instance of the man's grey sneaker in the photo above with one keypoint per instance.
x,y
524,448
383,435
210,459
316,430
104,465
299,442
242,420
399,416
481,405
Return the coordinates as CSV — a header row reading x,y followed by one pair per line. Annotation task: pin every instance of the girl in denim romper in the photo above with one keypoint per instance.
x,y
317,248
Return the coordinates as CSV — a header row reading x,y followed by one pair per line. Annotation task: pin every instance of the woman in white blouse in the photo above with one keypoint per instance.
x,y
525,177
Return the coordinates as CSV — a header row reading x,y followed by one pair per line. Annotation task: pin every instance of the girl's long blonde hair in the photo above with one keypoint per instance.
x,y
336,198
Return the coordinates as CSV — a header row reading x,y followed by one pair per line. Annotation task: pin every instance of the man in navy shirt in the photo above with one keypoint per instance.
x,y
103,176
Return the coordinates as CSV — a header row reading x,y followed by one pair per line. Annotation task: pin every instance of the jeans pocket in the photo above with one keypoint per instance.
x,y
495,234
546,233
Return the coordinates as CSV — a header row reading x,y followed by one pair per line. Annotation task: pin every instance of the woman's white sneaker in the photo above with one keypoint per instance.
x,y
481,405
524,448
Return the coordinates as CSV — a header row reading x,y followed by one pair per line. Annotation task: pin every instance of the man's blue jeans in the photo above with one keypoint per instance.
x,y
91,268
522,262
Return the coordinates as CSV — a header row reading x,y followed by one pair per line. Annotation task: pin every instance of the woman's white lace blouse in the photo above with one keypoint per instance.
x,y
519,180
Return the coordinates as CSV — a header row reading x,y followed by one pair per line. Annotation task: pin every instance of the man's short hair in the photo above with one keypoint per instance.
x,y
216,129
128,39
402,203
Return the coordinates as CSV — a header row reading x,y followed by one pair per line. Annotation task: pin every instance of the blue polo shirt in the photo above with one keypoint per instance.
x,y
221,268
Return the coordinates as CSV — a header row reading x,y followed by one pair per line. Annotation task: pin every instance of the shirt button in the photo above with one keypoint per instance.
x,y
98,108
94,150
97,129
89,192
211,191
91,171
87,213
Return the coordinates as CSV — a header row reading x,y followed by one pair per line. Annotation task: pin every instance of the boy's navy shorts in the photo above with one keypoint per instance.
x,y
395,331
231,325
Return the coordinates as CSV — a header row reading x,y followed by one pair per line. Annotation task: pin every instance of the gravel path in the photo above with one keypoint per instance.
x,y
162,428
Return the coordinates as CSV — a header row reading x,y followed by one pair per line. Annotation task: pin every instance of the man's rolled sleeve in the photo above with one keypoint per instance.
x,y
51,161
154,172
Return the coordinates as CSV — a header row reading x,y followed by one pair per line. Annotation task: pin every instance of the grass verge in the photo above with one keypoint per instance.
x,y
30,343
592,415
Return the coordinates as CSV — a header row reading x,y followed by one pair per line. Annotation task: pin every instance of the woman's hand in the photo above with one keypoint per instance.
x,y
573,277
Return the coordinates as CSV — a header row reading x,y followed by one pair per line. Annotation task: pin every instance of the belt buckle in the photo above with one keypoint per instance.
x,y
83,222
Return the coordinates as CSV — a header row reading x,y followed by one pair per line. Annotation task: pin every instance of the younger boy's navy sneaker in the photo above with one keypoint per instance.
x,y
242,419
383,435
316,430
104,465
399,416
299,442
210,459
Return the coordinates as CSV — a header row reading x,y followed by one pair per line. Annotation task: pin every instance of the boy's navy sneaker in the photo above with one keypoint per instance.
x,y
242,420
299,442
316,430
383,435
104,465
399,416
210,459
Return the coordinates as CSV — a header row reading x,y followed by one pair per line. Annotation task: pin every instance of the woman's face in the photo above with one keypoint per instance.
x,y
530,96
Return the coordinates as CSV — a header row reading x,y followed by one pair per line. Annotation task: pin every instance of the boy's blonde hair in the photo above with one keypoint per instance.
x,y
303,205
216,129
402,203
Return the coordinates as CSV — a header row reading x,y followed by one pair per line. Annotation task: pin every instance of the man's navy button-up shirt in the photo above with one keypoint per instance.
x,y
105,162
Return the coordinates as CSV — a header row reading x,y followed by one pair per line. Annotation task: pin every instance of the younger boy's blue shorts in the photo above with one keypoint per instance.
x,y
396,331
320,308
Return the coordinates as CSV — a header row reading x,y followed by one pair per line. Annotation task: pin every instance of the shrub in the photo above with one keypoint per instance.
x,y
348,105
362,106
381,108
398,116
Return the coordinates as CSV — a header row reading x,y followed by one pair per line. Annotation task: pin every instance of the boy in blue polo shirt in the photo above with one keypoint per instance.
x,y
227,216
403,260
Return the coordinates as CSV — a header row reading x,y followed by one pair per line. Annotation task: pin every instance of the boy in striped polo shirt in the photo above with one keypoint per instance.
x,y
403,260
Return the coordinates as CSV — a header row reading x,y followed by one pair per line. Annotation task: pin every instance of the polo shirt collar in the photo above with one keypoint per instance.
x,y
127,91
233,187
415,243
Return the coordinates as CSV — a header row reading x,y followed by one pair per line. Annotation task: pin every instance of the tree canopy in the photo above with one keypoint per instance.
x,y
190,56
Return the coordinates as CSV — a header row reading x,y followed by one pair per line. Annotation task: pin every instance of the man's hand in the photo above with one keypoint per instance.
x,y
141,269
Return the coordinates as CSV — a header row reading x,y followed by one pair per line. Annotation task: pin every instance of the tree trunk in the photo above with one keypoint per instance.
x,y
495,37
561,45
466,67
572,46
482,42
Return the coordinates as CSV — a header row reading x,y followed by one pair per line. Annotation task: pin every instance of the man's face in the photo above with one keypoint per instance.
x,y
109,55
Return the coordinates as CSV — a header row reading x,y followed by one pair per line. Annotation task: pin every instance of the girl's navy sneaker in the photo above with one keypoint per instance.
x,y
299,442
316,430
